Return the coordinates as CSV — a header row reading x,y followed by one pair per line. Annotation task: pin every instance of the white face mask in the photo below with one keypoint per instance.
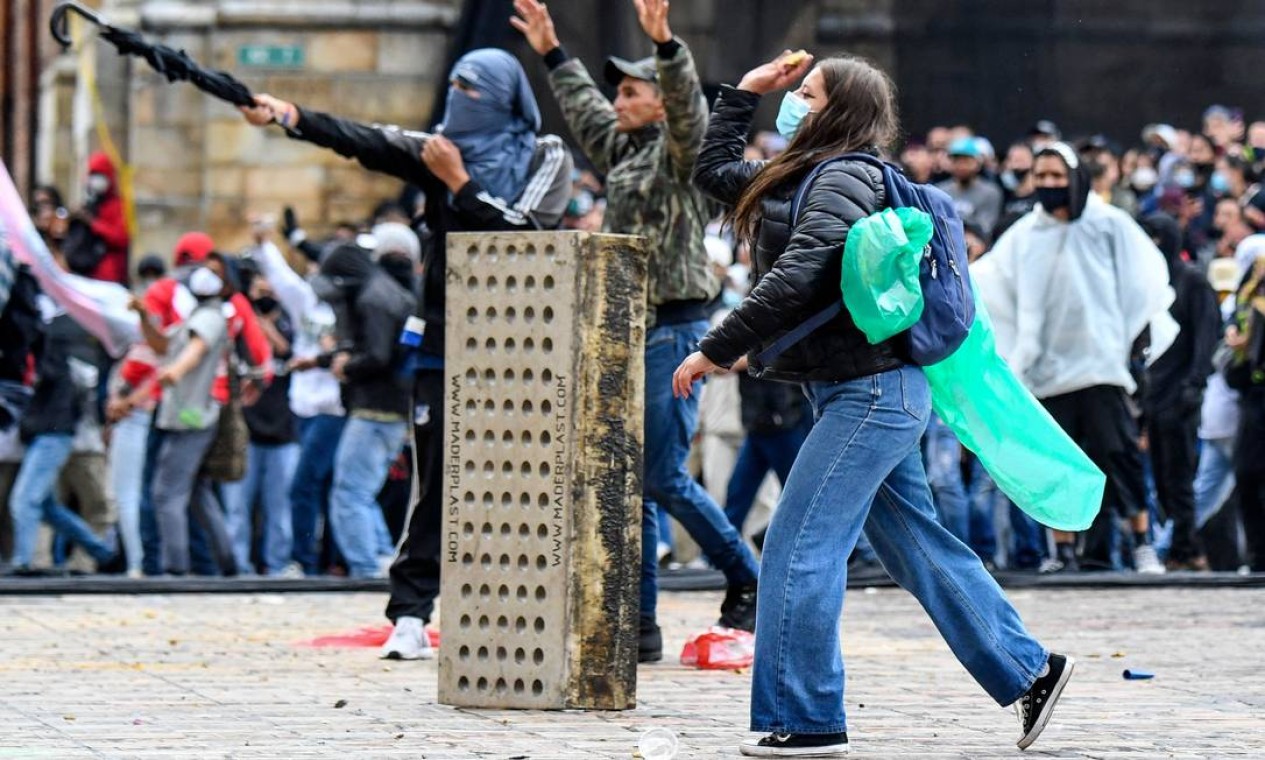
x,y
1144,178
98,184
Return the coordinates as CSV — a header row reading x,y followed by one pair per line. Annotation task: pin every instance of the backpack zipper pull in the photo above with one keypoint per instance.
x,y
933,268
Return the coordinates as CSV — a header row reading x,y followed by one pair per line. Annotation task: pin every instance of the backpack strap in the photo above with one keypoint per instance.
x,y
801,192
805,328
801,331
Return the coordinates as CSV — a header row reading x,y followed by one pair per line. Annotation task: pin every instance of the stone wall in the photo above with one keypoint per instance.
x,y
199,165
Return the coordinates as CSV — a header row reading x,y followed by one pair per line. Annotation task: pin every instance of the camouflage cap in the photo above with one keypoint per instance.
x,y
618,68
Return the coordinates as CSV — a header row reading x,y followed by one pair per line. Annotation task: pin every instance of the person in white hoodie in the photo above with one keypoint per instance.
x,y
1079,294
315,398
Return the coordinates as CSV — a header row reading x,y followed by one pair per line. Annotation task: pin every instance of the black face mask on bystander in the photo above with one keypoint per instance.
x,y
266,304
1054,198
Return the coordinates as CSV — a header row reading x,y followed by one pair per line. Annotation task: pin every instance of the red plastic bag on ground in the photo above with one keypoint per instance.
x,y
719,649
368,636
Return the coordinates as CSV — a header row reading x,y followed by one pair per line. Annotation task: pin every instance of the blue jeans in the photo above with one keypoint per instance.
x,y
1029,545
33,498
942,455
151,544
665,527
128,445
313,480
269,470
760,453
179,491
669,429
364,458
986,502
861,465
1214,480
202,560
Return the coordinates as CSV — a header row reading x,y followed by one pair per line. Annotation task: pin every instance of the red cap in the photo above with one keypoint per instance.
x,y
192,247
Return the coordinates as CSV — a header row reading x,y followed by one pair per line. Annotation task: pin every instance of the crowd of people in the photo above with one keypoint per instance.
x,y
1183,427
93,453
79,426
276,396
1177,491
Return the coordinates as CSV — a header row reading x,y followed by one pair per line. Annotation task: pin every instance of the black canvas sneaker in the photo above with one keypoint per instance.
x,y
649,643
1035,707
738,609
797,745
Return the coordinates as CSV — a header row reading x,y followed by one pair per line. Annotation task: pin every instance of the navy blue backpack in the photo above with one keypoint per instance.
x,y
948,304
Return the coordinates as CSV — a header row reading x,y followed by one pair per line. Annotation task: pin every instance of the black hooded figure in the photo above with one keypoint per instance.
x,y
1174,391
370,307
1080,183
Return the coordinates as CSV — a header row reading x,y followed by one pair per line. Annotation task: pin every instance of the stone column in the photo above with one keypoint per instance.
x,y
542,533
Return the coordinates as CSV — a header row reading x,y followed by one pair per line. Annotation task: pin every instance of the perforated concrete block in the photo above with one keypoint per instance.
x,y
542,530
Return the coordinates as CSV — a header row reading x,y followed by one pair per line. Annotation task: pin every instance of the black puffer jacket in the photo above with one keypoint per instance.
x,y
55,404
368,304
796,272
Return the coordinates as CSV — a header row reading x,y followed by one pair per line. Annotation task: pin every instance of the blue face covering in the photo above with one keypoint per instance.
x,y
1218,183
791,115
496,132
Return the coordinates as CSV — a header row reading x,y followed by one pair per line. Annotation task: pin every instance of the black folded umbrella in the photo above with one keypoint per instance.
x,y
174,64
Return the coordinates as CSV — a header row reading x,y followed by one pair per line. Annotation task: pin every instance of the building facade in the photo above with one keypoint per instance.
x,y
998,65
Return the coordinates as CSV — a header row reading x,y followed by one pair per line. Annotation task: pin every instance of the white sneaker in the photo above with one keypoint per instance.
x,y
1050,566
293,571
662,550
408,641
1146,561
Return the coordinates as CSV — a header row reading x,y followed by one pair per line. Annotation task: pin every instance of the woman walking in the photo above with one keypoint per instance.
x,y
861,465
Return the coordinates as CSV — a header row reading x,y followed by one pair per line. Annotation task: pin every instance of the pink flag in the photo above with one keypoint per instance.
x,y
99,307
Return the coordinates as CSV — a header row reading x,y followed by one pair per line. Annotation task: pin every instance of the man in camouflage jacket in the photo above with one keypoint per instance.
x,y
646,143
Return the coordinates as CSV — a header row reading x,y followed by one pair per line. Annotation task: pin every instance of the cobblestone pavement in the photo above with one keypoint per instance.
x,y
216,676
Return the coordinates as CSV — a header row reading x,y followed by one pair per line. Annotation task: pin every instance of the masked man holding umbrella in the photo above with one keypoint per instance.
x,y
485,169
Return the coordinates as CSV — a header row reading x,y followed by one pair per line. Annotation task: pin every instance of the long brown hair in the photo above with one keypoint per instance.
x,y
860,114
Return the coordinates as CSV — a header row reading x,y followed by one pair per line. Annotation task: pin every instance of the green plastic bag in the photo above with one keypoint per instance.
x,y
973,391
1031,459
880,271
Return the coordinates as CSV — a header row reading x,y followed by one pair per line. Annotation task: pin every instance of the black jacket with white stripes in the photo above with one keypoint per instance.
x,y
398,152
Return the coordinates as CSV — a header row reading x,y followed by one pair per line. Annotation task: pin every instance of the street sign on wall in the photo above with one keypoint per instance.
x,y
270,56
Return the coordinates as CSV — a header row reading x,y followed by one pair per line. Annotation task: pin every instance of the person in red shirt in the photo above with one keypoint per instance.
x,y
104,211
136,394
168,301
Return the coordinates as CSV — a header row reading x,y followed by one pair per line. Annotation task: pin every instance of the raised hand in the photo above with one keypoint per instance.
x,y
777,74
534,21
653,16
